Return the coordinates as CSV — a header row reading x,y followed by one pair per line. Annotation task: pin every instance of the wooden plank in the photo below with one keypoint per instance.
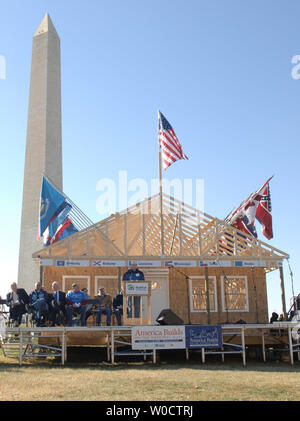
x,y
283,303
143,234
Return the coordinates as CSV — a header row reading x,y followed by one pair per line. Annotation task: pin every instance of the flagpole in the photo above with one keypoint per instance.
x,y
161,196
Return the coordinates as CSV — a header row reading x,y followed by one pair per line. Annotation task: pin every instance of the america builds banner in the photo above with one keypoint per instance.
x,y
176,337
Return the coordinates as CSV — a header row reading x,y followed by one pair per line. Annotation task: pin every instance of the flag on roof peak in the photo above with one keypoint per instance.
x,y
257,206
50,201
168,142
54,222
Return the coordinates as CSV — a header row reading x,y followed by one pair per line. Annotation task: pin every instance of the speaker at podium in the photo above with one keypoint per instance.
x,y
168,317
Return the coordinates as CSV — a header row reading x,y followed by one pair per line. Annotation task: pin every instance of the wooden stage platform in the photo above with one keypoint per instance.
x,y
30,342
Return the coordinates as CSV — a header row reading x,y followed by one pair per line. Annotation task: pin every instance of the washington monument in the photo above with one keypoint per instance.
x,y
43,143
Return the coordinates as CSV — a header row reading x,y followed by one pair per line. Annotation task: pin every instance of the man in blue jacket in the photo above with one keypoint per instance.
x,y
39,302
134,274
76,302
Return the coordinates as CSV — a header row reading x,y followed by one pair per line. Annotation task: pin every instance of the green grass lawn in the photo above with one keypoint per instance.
x,y
181,381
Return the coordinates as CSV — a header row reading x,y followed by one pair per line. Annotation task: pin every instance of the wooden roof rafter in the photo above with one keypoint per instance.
x,y
188,233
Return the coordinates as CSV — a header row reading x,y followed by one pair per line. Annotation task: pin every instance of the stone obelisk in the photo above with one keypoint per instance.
x,y
43,143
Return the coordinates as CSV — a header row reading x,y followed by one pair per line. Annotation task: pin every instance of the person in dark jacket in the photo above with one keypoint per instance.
x,y
134,274
39,301
17,299
57,305
274,317
118,306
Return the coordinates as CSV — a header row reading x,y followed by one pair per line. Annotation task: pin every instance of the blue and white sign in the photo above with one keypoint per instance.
x,y
136,288
249,263
216,263
108,263
46,262
180,263
72,263
203,336
145,263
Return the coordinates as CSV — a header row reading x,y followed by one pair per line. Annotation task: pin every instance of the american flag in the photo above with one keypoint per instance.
x,y
169,144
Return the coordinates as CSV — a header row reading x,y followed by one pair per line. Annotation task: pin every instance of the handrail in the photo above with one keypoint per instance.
x,y
294,304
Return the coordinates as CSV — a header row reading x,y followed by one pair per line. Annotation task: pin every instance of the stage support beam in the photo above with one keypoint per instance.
x,y
207,295
283,304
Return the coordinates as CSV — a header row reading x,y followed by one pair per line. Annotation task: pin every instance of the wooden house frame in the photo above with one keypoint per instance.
x,y
190,245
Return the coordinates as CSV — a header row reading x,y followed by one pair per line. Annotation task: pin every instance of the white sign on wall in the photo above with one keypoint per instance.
x,y
158,337
180,263
46,262
249,263
216,263
108,263
72,263
146,263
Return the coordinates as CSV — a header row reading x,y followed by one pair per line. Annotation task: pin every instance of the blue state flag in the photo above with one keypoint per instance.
x,y
50,202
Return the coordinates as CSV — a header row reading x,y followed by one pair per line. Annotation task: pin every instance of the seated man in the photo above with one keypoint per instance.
x,y
274,317
88,306
57,305
134,274
76,302
105,303
17,299
39,302
118,306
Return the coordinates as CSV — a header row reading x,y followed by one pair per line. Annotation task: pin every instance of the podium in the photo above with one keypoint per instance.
x,y
136,302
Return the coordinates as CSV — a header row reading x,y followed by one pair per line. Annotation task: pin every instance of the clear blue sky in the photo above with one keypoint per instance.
x,y
219,70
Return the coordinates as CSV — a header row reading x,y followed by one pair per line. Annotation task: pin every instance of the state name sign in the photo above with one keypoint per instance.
x,y
136,288
46,262
249,263
145,263
158,337
180,263
72,263
215,263
108,263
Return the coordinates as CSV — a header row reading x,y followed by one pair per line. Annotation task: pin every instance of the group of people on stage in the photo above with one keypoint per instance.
x,y
57,307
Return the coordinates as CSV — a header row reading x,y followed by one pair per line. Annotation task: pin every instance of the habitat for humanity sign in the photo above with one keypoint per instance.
x,y
158,337
136,288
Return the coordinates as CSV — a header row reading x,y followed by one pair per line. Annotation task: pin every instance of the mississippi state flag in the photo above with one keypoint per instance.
x,y
258,205
263,213
169,144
